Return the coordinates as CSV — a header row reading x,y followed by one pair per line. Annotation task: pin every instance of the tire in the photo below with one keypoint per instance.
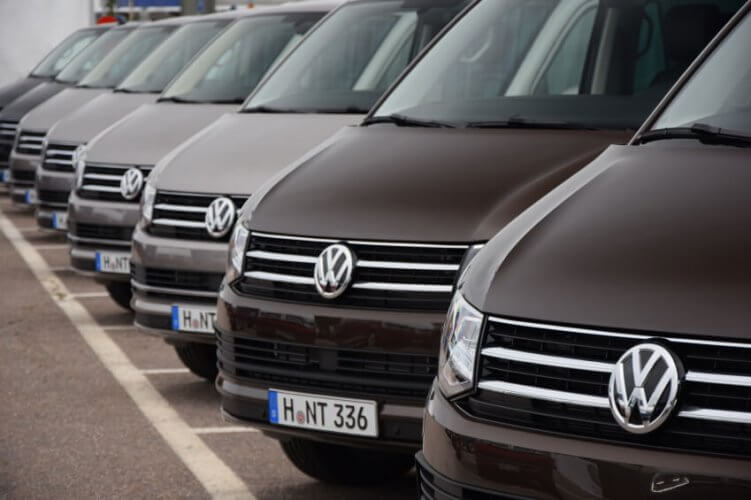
x,y
121,293
199,358
345,465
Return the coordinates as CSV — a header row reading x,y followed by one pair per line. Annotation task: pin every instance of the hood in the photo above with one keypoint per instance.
x,y
16,110
384,182
12,91
152,131
48,113
239,152
83,124
647,238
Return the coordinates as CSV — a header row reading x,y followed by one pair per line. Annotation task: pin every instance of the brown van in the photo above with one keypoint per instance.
x,y
341,271
598,346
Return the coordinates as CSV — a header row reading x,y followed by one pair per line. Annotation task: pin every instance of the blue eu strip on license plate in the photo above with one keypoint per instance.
x,y
273,408
98,261
175,318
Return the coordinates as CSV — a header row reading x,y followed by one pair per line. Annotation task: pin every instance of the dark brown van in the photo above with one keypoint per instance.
x,y
598,347
341,271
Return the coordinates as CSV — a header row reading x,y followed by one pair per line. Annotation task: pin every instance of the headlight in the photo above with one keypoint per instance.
x,y
147,203
461,334
237,245
79,163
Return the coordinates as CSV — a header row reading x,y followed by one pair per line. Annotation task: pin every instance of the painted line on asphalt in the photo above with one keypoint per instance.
x,y
223,430
89,295
164,371
215,476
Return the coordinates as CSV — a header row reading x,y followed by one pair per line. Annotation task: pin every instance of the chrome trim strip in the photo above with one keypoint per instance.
x,y
103,177
60,152
355,242
179,223
284,278
604,333
95,241
718,378
546,394
173,291
103,189
403,287
180,208
284,257
547,360
738,417
57,161
377,264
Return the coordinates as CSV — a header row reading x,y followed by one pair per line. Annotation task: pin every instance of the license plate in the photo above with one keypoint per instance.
x,y
321,413
3,176
30,196
111,262
193,319
60,220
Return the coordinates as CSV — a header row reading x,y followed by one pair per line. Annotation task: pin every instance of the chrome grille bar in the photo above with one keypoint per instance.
x,y
179,223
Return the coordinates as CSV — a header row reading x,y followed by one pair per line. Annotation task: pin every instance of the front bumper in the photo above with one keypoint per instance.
x,y
22,178
102,220
153,302
385,356
52,193
465,457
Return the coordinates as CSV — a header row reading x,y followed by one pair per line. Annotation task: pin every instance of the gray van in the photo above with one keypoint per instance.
x,y
113,68
44,72
54,179
103,207
192,199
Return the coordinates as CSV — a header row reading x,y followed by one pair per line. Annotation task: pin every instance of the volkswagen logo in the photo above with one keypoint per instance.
x,y
131,183
333,271
220,216
644,387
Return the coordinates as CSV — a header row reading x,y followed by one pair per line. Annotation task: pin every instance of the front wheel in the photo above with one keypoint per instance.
x,y
121,293
345,465
199,358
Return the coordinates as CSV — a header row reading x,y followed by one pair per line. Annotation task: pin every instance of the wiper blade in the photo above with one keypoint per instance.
x,y
699,131
520,122
177,99
123,90
236,100
266,109
407,121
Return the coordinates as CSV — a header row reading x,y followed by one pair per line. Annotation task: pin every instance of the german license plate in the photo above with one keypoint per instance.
x,y
60,220
322,413
30,197
113,262
193,319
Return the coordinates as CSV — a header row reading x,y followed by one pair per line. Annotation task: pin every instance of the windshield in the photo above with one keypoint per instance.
x,y
159,68
719,93
233,64
600,64
351,59
126,56
61,55
92,55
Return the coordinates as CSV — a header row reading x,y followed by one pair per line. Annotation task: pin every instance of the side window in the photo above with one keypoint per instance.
x,y
564,73
650,60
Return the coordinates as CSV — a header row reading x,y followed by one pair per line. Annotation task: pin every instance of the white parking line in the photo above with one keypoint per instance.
x,y
223,430
215,476
164,371
89,295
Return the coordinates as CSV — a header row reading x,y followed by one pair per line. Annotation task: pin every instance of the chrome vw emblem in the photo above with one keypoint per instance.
x,y
131,183
220,216
333,271
644,387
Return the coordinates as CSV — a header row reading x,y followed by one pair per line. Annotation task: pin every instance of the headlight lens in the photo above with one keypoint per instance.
x,y
147,203
79,162
461,334
237,245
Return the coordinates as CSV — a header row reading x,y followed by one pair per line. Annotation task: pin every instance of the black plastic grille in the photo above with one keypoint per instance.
x,y
24,176
7,137
170,208
97,232
59,157
316,368
48,196
354,296
169,278
597,423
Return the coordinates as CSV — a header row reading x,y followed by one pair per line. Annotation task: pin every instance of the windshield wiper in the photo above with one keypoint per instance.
x,y
703,132
407,121
236,100
177,99
266,109
520,122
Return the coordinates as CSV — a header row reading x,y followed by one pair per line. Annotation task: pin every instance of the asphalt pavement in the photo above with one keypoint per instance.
x,y
91,407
